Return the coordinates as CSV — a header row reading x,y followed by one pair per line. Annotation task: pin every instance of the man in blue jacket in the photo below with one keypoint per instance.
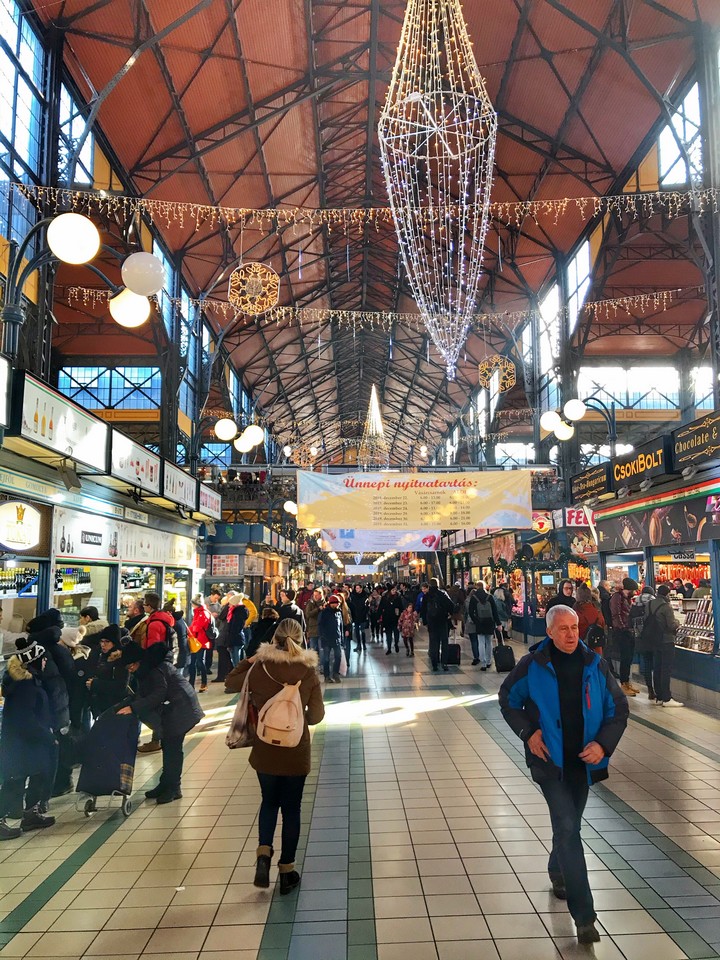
x,y
567,708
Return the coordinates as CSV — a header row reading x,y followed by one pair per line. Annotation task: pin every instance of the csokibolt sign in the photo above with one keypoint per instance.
x,y
650,460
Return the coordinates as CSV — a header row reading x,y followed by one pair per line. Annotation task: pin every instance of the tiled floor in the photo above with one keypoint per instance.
x,y
423,839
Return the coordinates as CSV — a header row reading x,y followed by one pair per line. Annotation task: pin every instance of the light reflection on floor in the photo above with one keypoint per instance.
x,y
393,711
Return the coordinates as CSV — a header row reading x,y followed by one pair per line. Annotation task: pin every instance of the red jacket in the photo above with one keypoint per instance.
x,y
156,632
199,625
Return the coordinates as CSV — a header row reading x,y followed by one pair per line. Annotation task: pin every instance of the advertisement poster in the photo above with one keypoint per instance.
x,y
504,548
693,521
582,543
379,541
210,502
226,565
389,501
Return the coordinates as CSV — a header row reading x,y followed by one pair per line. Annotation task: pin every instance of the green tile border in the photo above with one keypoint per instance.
x,y
20,916
362,934
277,934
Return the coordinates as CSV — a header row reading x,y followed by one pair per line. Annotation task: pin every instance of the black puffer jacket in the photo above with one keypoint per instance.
x,y
165,701
110,684
358,603
59,678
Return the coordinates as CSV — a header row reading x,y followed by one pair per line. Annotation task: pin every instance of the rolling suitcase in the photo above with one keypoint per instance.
x,y
504,657
452,655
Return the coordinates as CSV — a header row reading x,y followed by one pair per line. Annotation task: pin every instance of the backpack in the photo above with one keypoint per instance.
x,y
171,637
433,610
639,616
481,615
281,721
649,630
594,636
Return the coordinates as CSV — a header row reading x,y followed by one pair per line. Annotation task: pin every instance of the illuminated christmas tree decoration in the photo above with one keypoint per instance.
x,y
437,141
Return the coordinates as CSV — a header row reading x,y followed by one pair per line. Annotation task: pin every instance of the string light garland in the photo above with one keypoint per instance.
x,y
437,136
659,300
670,203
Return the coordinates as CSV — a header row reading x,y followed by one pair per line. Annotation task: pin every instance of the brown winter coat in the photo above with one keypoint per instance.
x,y
264,757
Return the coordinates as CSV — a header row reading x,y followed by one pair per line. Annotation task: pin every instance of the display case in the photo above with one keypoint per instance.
x,y
696,619
135,582
177,587
77,586
18,597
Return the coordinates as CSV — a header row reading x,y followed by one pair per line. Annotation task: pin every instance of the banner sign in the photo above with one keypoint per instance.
x,y
590,483
391,501
698,443
179,486
379,541
650,460
691,521
360,570
582,543
210,502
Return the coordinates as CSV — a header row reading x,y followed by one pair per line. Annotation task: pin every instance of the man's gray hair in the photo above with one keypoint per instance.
x,y
554,612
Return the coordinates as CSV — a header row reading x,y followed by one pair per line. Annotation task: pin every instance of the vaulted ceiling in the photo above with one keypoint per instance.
x,y
275,103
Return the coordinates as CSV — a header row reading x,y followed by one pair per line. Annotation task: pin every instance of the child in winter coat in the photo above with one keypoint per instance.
x,y
408,624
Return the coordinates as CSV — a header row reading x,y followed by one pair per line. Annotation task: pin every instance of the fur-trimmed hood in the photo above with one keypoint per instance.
x,y
269,653
17,670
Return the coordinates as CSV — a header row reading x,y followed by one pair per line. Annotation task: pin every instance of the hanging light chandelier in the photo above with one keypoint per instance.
x,y
373,450
437,136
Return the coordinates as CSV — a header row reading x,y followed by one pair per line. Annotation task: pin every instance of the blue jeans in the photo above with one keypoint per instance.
x,y
197,660
566,801
359,632
481,644
326,651
280,793
236,655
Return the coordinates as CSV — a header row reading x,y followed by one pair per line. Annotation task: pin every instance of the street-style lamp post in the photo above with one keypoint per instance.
x,y
74,239
562,425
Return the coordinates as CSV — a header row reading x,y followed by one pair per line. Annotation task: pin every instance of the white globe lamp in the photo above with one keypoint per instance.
x,y
313,451
549,420
129,310
287,450
242,445
290,507
144,274
255,434
225,429
73,238
564,431
574,409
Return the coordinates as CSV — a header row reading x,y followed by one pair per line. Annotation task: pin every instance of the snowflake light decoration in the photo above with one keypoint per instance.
x,y
254,288
505,367
437,141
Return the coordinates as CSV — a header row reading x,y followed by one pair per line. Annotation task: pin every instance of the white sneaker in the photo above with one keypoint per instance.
x,y
672,703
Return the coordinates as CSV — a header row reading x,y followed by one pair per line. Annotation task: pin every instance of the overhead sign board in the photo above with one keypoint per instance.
x,y
593,482
134,463
210,502
652,459
179,486
46,418
698,443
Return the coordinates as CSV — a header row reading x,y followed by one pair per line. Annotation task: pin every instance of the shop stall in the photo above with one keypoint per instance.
x,y
25,529
670,533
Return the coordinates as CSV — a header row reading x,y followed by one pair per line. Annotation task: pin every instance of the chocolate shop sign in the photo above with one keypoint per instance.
x,y
698,443
645,462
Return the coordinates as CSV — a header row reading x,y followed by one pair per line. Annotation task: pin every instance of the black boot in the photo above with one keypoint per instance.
x,y
262,866
289,877
7,832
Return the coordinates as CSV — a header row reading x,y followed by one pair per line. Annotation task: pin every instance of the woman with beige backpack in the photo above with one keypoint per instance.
x,y
281,696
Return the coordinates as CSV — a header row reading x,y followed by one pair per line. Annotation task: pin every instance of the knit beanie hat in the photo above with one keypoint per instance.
x,y
111,632
663,590
132,653
51,618
630,584
28,650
